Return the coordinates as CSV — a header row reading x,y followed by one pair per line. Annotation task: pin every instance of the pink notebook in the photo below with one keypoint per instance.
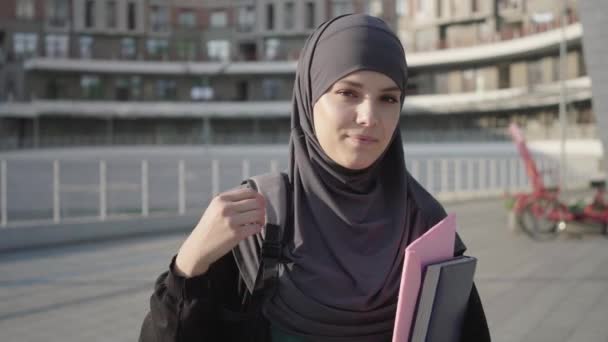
x,y
437,244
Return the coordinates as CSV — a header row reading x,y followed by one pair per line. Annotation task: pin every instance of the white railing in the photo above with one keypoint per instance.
x,y
174,186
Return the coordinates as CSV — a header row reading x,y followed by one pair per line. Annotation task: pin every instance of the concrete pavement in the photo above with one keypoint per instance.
x,y
552,291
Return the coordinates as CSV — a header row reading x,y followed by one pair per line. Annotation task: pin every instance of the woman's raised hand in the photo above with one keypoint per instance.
x,y
230,217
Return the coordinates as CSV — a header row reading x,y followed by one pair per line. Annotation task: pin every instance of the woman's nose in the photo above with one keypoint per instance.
x,y
366,113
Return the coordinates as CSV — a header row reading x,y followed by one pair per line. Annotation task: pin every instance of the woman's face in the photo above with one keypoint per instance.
x,y
355,119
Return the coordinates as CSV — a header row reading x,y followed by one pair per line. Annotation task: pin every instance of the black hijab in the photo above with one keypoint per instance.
x,y
349,226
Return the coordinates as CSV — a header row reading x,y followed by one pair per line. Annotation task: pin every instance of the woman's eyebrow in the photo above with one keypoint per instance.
x,y
359,85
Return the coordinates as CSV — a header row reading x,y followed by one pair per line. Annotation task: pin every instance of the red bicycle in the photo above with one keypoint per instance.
x,y
541,214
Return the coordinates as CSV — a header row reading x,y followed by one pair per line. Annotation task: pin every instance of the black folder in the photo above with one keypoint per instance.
x,y
443,298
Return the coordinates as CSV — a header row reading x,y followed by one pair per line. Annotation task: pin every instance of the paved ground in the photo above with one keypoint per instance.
x,y
552,291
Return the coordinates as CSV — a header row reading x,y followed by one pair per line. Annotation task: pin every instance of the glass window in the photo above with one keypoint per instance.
x,y
131,16
474,6
127,88
310,15
25,44
289,17
157,48
186,49
375,8
186,18
89,14
136,87
535,72
86,47
166,90
111,14
128,48
508,4
469,79
272,48
218,50
219,19
159,18
270,17
25,9
91,87
246,18
340,7
201,90
271,88
401,7
57,45
57,13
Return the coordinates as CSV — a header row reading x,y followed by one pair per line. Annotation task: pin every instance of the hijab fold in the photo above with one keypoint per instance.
x,y
349,226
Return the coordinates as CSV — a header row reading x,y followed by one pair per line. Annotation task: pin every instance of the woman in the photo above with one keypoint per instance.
x,y
355,209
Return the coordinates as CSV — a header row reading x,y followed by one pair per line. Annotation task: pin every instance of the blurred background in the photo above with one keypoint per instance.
x,y
119,120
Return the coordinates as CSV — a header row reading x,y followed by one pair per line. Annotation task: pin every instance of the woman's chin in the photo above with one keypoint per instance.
x,y
357,163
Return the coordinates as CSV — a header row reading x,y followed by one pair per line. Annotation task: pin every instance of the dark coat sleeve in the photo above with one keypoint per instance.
x,y
189,309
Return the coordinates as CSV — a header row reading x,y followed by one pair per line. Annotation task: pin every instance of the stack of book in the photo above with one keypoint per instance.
x,y
435,287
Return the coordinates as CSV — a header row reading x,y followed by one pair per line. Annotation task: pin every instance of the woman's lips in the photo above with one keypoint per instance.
x,y
363,139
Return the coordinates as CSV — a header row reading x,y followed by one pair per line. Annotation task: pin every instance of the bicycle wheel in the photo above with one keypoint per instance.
x,y
535,219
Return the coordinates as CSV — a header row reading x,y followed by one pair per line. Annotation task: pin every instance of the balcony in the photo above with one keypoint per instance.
x,y
461,57
463,103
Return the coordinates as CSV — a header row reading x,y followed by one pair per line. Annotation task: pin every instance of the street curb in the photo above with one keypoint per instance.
x,y
46,235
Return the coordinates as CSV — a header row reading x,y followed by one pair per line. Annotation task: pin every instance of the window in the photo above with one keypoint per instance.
x,y
86,47
246,18
128,50
401,7
89,14
219,19
159,18
272,48
289,17
157,48
271,88
186,19
127,88
340,7
111,14
535,72
131,16
474,6
375,8
57,46
218,50
91,87
440,9
166,90
508,4
504,76
25,44
469,80
25,9
57,13
201,90
186,49
270,17
310,15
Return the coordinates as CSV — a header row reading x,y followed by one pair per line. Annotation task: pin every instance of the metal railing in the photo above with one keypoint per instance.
x,y
176,185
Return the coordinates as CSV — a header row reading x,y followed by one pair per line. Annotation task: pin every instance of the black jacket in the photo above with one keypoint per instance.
x,y
208,307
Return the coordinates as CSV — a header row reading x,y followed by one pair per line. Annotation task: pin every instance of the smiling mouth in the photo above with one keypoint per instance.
x,y
363,139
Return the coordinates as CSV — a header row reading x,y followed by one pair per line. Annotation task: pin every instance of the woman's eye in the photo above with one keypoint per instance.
x,y
347,93
390,99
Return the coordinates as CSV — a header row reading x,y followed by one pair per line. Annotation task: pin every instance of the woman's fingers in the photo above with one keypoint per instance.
x,y
246,205
237,195
248,218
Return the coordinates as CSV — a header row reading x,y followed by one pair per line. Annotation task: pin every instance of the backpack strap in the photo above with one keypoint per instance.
x,y
258,257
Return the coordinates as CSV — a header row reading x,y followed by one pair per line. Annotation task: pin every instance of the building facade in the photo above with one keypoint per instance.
x,y
221,72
